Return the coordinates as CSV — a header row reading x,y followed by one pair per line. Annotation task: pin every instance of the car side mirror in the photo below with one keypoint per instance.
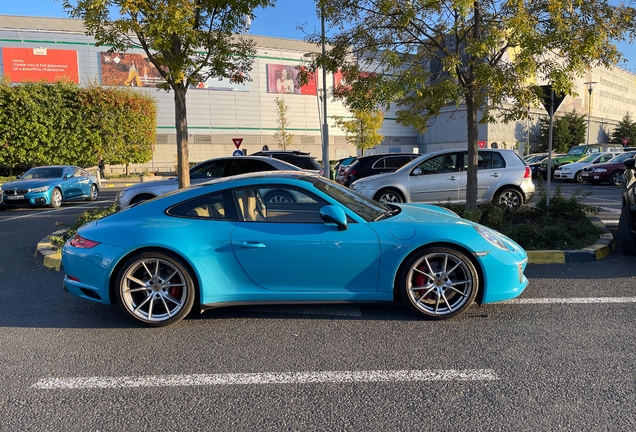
x,y
416,172
65,176
629,163
336,215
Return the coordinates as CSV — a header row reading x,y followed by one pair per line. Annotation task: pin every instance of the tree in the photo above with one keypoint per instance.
x,y
187,41
626,128
568,131
486,56
362,130
282,136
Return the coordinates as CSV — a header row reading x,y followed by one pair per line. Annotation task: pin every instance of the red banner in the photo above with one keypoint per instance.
x,y
37,64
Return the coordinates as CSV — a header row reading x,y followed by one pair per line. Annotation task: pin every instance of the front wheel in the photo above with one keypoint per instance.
x,y
155,289
56,198
511,198
578,177
438,282
616,178
389,196
625,234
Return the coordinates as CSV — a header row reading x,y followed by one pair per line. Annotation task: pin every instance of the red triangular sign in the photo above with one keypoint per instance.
x,y
481,144
237,141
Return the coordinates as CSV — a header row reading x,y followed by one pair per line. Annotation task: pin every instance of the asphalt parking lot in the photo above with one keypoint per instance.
x,y
560,357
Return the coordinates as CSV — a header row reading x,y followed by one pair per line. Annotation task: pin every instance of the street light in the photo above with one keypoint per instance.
x,y
325,127
590,86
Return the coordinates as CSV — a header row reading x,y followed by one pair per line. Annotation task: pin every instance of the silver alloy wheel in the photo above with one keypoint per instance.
x,y
93,193
578,177
510,198
153,290
441,283
617,178
279,199
389,197
56,198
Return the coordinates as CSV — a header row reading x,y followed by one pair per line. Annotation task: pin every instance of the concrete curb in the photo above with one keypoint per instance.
x,y
599,250
52,259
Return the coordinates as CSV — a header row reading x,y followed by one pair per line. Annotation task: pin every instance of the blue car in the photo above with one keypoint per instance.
x,y
50,186
220,244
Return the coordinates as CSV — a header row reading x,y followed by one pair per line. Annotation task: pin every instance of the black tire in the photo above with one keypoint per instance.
x,y
509,197
140,198
389,195
616,178
430,291
93,193
167,294
279,196
578,177
626,238
56,198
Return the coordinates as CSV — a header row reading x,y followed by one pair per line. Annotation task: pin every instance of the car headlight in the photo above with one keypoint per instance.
x,y
600,170
40,189
565,168
359,185
491,236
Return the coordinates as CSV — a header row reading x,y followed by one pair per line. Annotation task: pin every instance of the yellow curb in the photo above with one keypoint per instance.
x,y
53,261
546,257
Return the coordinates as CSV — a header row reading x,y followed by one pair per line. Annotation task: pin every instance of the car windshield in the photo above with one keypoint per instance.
x,y
622,157
364,207
578,150
42,173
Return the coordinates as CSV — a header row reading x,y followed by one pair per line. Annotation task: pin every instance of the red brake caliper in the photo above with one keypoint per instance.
x,y
420,279
175,291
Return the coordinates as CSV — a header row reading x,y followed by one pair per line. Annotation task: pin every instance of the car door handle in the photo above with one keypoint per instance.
x,y
452,178
250,245
494,175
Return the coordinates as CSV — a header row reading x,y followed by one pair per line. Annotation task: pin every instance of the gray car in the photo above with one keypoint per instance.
x,y
440,177
204,171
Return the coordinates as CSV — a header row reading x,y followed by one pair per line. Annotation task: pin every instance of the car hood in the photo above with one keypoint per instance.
x,y
427,213
29,184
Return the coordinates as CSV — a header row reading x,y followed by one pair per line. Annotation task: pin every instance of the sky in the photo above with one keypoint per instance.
x,y
279,21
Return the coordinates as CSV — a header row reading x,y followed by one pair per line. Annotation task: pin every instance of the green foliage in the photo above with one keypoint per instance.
x,y
625,129
362,130
568,131
282,136
564,225
61,123
426,56
88,216
188,41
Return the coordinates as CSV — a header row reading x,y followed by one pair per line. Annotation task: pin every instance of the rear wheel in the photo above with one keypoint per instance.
x,y
438,282
92,195
56,198
616,178
389,195
627,238
511,198
155,289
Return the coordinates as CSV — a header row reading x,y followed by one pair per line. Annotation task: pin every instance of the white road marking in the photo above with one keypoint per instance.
x,y
574,300
267,378
92,203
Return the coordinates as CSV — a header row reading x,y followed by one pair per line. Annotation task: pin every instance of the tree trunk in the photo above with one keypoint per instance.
x,y
181,123
473,148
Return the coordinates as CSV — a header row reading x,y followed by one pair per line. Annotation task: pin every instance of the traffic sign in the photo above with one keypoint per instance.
x,y
551,99
481,144
237,141
237,153
625,141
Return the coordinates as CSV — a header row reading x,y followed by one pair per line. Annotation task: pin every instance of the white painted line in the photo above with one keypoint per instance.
x,y
580,300
267,378
44,212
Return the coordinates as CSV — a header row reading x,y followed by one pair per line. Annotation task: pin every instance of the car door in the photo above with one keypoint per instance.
x,y
70,184
491,167
436,179
286,246
83,181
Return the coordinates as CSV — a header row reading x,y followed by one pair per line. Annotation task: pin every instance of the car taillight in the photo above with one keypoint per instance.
x,y
83,243
528,173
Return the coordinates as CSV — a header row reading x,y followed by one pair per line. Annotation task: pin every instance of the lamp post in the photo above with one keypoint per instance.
x,y
590,86
325,127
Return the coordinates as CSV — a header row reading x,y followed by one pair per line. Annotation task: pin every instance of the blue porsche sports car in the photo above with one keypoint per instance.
x,y
220,243
50,186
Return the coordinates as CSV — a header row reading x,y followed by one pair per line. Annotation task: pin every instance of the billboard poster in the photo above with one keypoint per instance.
x,y
129,70
283,79
222,83
37,64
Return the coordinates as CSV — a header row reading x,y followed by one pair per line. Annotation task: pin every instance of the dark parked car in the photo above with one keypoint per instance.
x,y
365,166
301,159
626,227
609,172
341,167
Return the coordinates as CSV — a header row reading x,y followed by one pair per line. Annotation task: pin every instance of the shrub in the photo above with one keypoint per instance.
x,y
88,216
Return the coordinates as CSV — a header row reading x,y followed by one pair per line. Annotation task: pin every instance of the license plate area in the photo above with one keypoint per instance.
x,y
14,197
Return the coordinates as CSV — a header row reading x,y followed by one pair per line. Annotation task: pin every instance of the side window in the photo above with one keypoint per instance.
x,y
82,173
69,172
218,205
212,169
395,161
379,164
278,204
439,164
498,160
484,160
605,158
243,166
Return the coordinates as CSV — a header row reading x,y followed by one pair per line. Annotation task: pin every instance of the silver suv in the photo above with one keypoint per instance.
x,y
440,177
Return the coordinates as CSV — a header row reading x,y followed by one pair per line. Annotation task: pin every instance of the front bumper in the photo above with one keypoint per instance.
x,y
27,200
